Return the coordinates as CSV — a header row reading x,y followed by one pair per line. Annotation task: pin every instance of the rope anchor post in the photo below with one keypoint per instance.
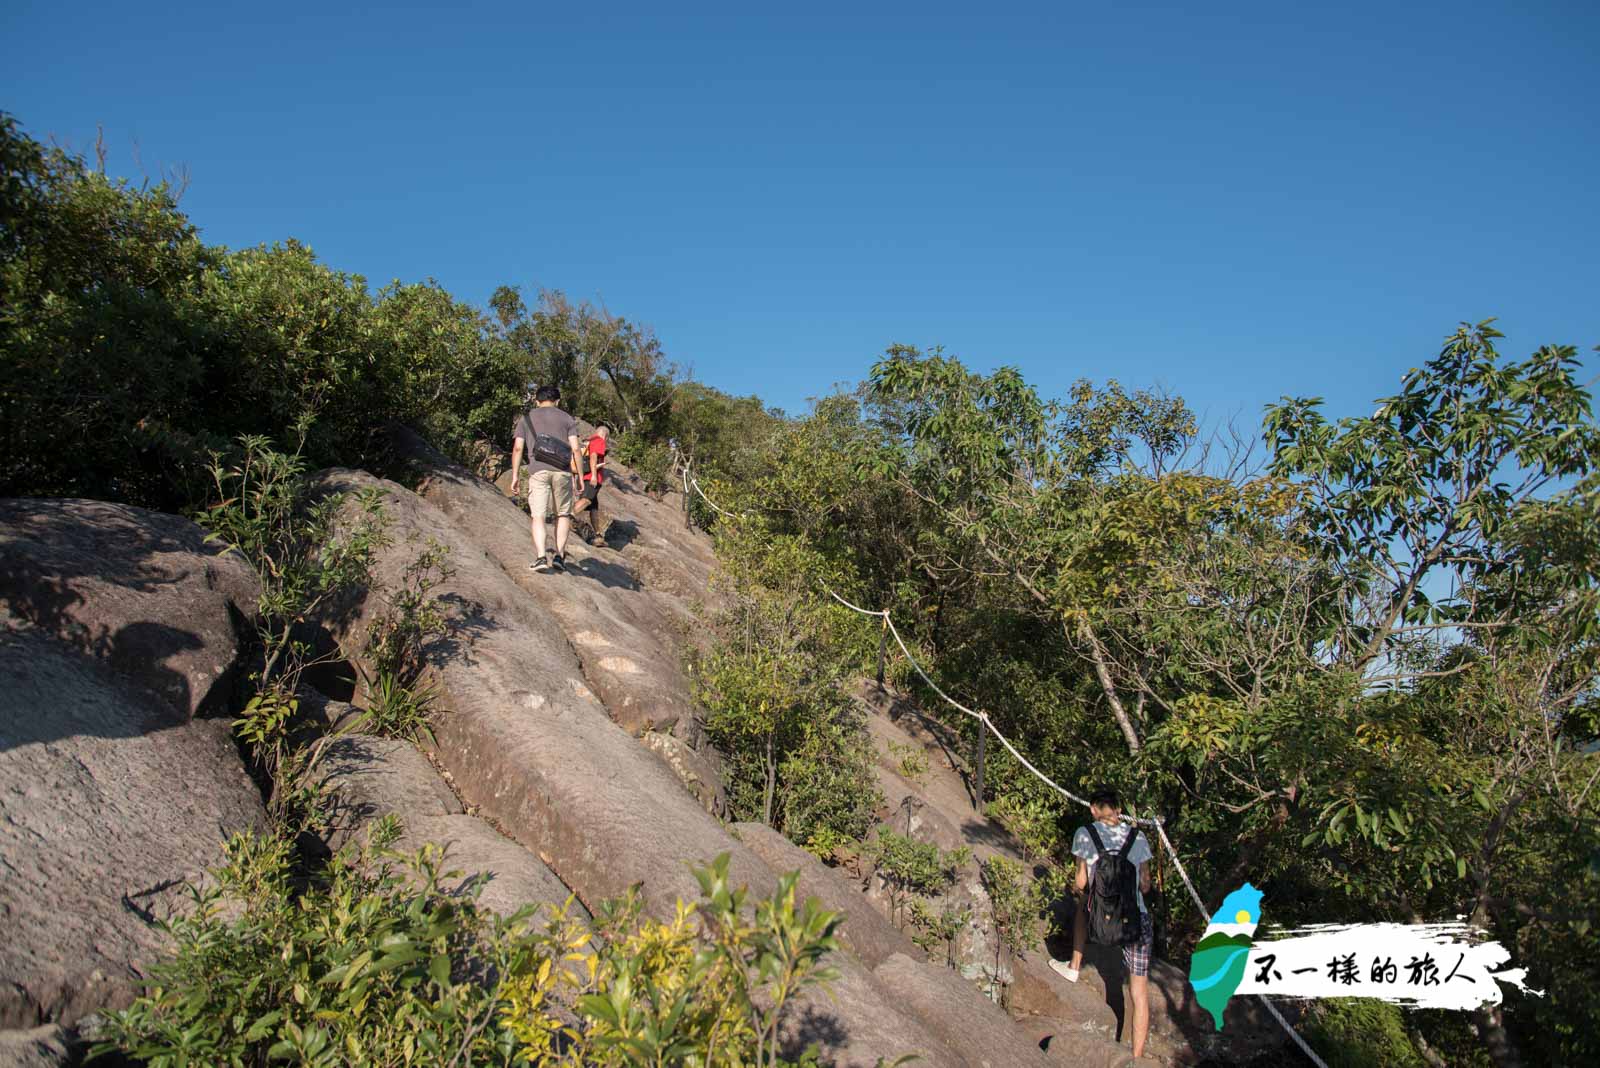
x,y
883,649
977,764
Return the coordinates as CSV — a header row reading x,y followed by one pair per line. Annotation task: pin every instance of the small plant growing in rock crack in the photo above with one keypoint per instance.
x,y
264,512
1015,902
930,930
910,867
398,702
911,761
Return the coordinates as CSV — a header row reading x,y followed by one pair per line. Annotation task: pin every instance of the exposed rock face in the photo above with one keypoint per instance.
x,y
140,590
119,624
978,1029
528,741
108,800
867,934
629,642
37,1047
565,720
372,777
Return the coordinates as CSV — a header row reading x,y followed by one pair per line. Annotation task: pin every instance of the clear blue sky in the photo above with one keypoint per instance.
x,y
1233,201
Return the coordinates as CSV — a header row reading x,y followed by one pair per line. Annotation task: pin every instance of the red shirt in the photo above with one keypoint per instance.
x,y
596,447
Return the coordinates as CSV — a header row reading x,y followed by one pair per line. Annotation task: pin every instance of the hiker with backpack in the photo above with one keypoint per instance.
x,y
593,465
1112,877
549,437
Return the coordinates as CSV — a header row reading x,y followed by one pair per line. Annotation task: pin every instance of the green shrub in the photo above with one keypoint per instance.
x,y
1033,821
937,930
650,460
798,758
264,513
911,867
370,963
1015,904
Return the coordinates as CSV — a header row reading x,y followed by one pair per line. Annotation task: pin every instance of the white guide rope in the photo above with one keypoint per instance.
x,y
1161,830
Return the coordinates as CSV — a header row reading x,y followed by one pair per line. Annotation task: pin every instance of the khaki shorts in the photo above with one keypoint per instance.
x,y
544,485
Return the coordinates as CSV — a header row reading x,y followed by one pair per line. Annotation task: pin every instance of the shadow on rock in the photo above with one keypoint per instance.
x,y
613,576
620,533
816,1026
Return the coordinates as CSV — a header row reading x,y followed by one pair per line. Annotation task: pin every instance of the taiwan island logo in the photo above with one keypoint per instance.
x,y
1219,960
1430,965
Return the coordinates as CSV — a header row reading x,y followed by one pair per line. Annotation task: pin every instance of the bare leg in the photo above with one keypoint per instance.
x,y
1139,986
1080,932
538,536
563,529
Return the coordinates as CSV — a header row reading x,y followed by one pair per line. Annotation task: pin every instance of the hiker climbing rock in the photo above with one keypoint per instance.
x,y
549,436
1111,879
592,464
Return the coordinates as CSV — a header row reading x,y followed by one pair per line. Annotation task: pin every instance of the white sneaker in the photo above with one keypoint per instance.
x,y
1061,969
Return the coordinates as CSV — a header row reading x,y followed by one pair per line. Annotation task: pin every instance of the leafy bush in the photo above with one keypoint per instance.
x,y
124,329
371,963
911,867
1034,821
798,758
650,460
1015,904
932,930
264,513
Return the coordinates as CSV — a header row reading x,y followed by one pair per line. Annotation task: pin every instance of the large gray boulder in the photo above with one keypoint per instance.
x,y
36,1047
117,625
977,1028
109,800
140,590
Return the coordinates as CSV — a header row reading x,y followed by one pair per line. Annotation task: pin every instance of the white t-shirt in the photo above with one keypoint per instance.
x,y
1112,838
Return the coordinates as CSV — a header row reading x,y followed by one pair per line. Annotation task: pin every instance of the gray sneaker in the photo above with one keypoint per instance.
x,y
541,564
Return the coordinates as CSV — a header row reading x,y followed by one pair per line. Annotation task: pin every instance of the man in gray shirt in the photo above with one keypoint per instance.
x,y
542,432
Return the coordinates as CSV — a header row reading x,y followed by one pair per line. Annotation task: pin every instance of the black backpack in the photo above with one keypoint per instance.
x,y
1114,894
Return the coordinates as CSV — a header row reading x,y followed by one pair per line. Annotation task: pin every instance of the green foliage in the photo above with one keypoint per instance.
x,y
798,756
398,700
911,761
1363,677
1015,904
265,513
910,867
372,963
123,329
1033,821
937,930
650,460
1357,1032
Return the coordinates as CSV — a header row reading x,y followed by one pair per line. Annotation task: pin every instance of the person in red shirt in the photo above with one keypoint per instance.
x,y
593,466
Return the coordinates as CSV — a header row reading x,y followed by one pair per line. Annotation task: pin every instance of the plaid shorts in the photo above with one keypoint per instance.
x,y
1136,958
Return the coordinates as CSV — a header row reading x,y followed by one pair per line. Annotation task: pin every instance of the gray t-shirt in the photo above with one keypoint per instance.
x,y
1113,837
551,422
